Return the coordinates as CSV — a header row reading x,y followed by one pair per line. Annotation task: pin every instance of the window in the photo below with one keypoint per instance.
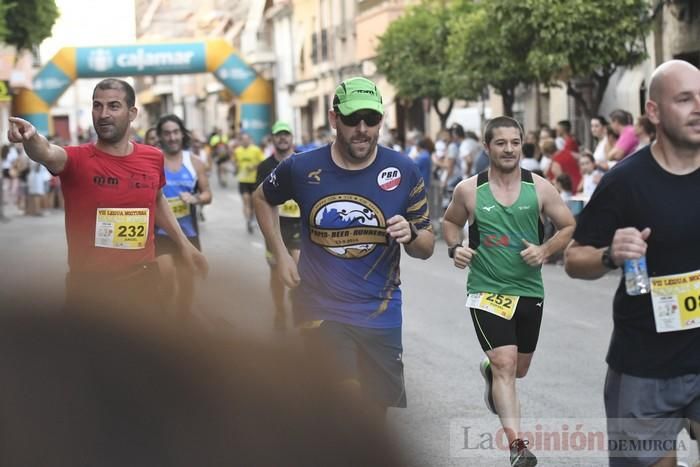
x,y
314,48
324,45
319,47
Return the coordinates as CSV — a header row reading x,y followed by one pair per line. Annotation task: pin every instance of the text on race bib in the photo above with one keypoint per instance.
x,y
121,228
497,304
179,207
676,301
289,209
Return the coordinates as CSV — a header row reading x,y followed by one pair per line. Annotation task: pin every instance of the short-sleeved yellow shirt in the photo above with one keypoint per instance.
x,y
247,160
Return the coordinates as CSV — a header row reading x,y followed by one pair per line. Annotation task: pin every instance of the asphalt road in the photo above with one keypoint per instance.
x,y
446,423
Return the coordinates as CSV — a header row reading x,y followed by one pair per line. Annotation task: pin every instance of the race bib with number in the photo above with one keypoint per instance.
x,y
124,229
179,207
290,209
497,304
676,301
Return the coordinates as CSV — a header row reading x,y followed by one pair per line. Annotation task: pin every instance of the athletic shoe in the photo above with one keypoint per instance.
x,y
249,227
485,368
520,455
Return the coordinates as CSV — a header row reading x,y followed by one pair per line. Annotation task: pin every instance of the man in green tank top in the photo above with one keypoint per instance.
x,y
504,207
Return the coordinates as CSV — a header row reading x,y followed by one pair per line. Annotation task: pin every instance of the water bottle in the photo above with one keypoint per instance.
x,y
636,276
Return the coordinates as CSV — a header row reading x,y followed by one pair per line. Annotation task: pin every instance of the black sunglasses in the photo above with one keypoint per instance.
x,y
354,119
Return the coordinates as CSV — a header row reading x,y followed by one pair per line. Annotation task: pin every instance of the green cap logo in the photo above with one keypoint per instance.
x,y
281,126
358,93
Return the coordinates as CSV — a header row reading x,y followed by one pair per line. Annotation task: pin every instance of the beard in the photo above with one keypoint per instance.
x,y
282,148
350,146
172,148
111,133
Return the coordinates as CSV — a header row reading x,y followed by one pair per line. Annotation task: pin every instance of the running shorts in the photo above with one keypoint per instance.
x,y
523,329
371,356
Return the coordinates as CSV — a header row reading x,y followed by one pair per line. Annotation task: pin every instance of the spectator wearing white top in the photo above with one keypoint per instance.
x,y
468,150
590,175
37,179
547,148
599,130
528,161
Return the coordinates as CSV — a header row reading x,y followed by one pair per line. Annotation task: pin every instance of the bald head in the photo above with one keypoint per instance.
x,y
664,75
674,105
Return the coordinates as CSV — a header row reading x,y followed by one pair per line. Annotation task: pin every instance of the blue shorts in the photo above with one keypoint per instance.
x,y
370,356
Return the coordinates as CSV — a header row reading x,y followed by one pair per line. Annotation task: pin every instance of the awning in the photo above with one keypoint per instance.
x,y
147,96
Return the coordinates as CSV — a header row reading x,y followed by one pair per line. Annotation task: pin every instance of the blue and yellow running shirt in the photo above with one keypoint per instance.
x,y
349,269
182,181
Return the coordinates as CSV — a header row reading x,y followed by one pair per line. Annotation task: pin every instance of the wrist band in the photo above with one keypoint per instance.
x,y
414,233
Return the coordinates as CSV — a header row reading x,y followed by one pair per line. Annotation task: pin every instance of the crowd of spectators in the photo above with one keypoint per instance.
x,y
554,153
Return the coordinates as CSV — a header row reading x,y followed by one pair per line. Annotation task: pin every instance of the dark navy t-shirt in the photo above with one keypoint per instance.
x,y
639,193
349,269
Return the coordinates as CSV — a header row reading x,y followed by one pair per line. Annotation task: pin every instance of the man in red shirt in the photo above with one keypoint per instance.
x,y
113,200
565,160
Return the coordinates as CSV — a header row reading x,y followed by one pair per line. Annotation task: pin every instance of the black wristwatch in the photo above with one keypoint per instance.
x,y
451,250
414,233
607,260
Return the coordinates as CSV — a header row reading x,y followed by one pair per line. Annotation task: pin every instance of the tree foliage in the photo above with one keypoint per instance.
x,y
580,42
29,22
457,48
4,7
482,53
412,54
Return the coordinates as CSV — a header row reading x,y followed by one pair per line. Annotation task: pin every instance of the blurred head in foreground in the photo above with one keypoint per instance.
x,y
101,390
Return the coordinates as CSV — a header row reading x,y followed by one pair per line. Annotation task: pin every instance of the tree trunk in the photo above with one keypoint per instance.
x,y
508,98
443,116
538,105
589,102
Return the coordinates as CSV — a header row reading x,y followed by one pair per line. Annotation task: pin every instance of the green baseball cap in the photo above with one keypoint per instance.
x,y
358,93
281,126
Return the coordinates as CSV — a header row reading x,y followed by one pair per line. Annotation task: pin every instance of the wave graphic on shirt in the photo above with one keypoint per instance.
x,y
334,218
346,215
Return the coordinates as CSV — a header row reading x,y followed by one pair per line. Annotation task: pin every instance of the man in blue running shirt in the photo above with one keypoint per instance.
x,y
186,186
360,203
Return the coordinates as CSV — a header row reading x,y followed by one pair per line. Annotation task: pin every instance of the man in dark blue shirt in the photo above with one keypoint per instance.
x,y
360,203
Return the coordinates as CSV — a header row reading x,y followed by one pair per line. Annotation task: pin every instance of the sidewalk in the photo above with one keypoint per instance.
x,y
32,249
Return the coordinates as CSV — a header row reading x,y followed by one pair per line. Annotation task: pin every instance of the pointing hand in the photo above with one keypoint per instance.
x,y
20,130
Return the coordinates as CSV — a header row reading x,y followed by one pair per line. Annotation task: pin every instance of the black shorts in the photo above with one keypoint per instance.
x,y
166,246
372,357
523,329
291,232
244,188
